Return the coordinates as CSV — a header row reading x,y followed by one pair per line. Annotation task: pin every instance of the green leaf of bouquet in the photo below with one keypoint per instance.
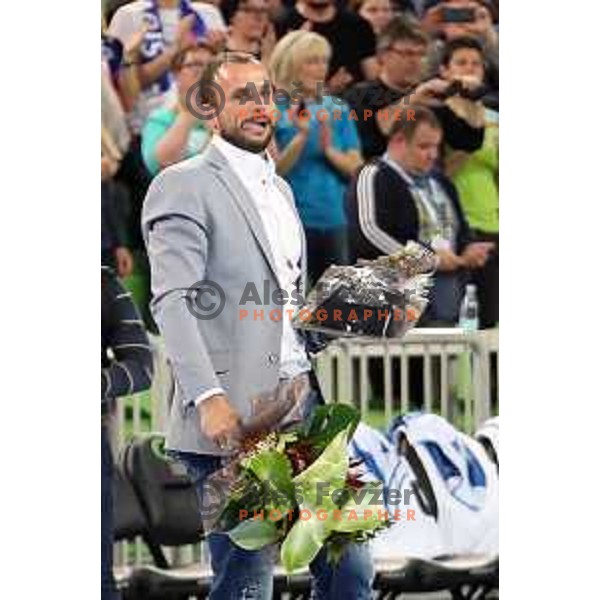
x,y
274,470
327,421
254,534
307,537
246,494
303,542
330,467
358,504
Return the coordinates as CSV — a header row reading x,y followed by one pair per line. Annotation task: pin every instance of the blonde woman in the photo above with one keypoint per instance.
x,y
318,145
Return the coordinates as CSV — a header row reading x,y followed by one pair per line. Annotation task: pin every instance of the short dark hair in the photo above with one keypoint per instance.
x,y
210,73
460,43
399,29
229,8
407,127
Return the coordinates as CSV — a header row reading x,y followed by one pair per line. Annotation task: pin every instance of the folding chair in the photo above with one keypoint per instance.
x,y
393,577
466,577
169,503
129,523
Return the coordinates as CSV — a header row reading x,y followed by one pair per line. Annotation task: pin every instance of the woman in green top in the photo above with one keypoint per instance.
x,y
475,174
173,133
476,179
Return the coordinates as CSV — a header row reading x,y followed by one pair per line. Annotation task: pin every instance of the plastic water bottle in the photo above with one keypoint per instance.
x,y
469,310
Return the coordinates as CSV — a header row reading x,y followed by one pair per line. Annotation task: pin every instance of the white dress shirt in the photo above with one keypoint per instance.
x,y
256,171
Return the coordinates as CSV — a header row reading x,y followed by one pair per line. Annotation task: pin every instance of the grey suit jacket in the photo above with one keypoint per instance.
x,y
199,223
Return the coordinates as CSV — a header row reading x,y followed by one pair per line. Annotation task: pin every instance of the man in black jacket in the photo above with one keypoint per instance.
x,y
126,368
397,198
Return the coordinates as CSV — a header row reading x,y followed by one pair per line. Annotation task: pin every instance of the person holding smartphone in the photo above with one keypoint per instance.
x,y
402,51
465,18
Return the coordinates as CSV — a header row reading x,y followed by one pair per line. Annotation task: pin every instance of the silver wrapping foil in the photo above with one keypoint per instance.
x,y
384,297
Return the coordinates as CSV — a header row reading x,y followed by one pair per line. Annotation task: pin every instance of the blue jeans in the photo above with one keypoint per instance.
x,y
248,575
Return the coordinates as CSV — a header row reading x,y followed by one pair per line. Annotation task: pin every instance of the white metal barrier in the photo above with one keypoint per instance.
x,y
458,382
459,372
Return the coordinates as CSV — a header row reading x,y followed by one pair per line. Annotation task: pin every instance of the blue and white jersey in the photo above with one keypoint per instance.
x,y
418,537
462,479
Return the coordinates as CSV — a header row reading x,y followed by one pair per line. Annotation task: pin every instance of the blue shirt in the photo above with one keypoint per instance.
x,y
318,187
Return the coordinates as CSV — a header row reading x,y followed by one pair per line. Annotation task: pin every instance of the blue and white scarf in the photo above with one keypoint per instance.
x,y
112,53
154,44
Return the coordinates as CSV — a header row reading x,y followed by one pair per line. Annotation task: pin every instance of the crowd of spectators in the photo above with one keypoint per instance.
x,y
366,177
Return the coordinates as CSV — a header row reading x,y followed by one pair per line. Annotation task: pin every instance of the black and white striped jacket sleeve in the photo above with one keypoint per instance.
x,y
371,192
130,367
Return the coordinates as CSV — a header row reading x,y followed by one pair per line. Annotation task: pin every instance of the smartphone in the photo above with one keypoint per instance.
x,y
458,15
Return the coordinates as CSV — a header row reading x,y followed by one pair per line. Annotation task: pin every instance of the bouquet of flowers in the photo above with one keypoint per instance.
x,y
384,297
297,487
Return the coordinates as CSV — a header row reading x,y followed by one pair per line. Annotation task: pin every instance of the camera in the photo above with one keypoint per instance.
x,y
457,88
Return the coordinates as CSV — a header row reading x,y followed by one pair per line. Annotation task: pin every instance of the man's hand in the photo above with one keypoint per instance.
x,y
124,262
430,92
339,81
134,43
475,255
268,42
216,39
483,25
219,421
471,82
448,261
109,167
432,19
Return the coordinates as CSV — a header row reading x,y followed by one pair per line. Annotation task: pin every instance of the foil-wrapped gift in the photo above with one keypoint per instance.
x,y
384,297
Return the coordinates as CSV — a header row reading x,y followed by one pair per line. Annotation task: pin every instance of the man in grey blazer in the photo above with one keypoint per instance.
x,y
224,224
